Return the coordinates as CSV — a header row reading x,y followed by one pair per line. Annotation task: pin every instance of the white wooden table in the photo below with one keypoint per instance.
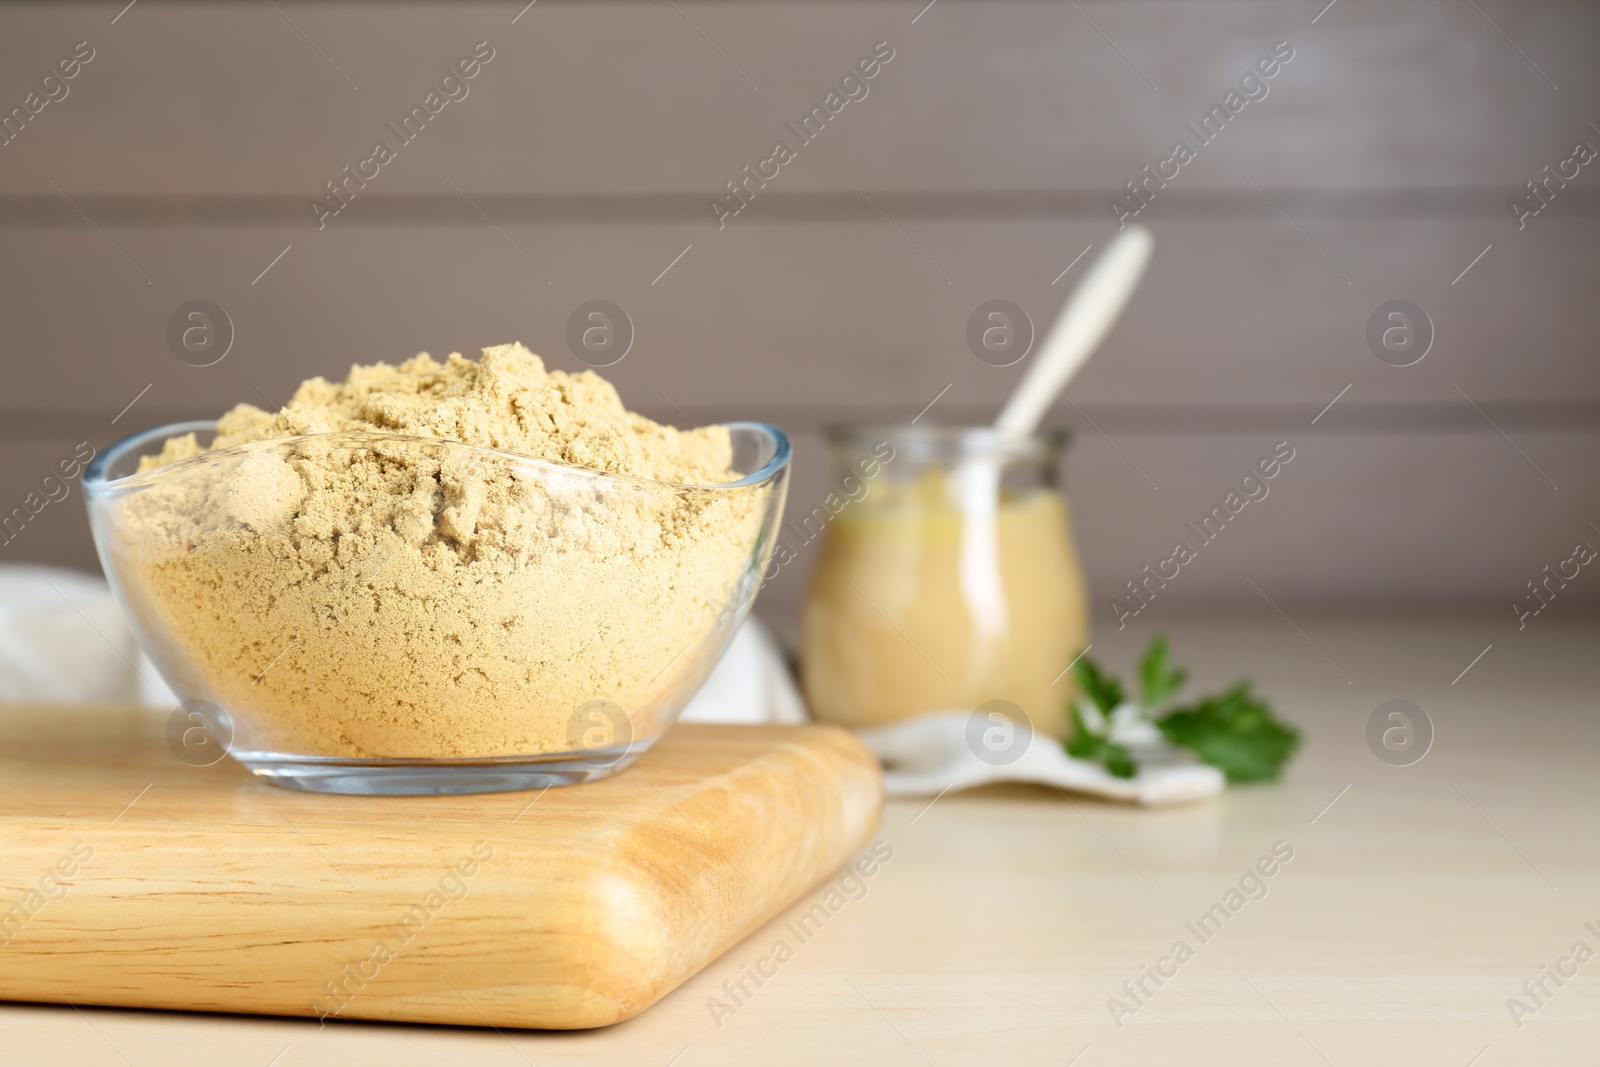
x,y
1418,901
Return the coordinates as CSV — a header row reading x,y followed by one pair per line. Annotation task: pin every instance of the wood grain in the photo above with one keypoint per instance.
x,y
198,889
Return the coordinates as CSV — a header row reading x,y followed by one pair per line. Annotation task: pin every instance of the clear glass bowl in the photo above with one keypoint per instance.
x,y
431,617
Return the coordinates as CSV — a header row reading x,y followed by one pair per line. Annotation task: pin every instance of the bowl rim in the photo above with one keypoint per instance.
x,y
95,482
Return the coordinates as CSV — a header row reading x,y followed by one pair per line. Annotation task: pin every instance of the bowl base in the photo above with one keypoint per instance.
x,y
432,777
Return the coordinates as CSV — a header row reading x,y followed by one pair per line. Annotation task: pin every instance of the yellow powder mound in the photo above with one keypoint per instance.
x,y
408,598
507,401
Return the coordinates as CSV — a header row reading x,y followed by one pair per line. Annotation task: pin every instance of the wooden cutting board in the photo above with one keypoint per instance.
x,y
130,879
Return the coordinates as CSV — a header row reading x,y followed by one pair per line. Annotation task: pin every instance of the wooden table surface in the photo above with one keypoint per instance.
x,y
1417,902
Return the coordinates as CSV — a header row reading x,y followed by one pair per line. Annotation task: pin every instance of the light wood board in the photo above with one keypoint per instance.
x,y
130,879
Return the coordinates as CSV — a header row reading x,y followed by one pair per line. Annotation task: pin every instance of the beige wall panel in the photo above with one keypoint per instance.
x,y
631,97
842,315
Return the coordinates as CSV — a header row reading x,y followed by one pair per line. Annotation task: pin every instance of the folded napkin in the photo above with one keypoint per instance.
x,y
750,684
942,751
937,752
63,640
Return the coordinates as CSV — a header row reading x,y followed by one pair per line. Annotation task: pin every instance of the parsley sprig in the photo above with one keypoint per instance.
x,y
1234,731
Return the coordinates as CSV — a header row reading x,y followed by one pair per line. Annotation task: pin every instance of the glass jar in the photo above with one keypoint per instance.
x,y
947,579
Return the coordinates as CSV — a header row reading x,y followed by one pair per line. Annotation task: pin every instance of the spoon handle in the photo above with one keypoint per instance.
x,y
1079,327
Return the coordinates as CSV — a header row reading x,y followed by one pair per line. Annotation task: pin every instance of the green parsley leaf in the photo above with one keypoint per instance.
x,y
1104,690
1085,745
1158,679
1236,732
1118,762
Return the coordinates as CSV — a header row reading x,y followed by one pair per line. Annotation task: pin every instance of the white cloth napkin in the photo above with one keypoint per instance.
x,y
934,753
750,684
63,640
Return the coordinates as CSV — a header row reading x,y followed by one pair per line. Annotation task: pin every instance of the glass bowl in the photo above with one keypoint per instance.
x,y
370,613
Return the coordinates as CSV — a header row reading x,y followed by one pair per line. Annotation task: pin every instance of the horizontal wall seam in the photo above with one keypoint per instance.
x,y
275,209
